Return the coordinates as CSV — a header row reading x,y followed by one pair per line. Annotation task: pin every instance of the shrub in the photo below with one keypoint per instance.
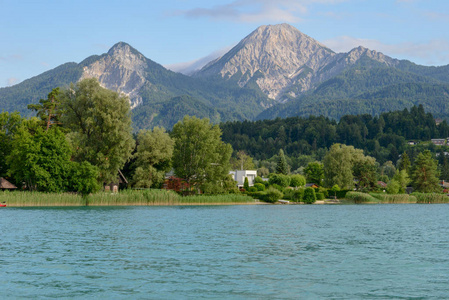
x,y
309,196
259,179
324,191
278,187
319,196
252,189
289,194
259,186
246,184
273,195
279,179
297,180
298,195
359,197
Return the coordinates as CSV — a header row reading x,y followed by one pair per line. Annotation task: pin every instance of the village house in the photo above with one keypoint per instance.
x,y
439,142
6,185
240,175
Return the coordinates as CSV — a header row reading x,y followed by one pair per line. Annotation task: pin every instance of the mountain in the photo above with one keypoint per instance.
x,y
152,89
276,71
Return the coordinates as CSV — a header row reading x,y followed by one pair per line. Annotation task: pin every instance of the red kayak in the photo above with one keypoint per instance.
x,y
2,205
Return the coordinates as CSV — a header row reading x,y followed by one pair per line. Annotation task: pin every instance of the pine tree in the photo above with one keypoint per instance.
x,y
425,173
282,166
404,163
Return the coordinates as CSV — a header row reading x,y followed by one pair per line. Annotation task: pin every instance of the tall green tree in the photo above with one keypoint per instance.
x,y
199,154
100,125
315,172
425,173
9,123
153,157
48,109
282,166
404,163
242,162
338,166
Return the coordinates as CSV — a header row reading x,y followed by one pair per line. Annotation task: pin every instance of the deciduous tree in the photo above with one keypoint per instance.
x,y
425,173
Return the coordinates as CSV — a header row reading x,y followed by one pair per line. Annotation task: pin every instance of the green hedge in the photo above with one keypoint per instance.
x,y
319,196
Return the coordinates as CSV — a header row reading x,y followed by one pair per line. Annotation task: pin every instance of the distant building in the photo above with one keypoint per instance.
x,y
412,143
382,184
312,185
438,121
439,142
6,185
114,186
239,176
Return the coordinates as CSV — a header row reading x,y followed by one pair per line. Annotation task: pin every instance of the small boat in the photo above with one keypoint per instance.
x,y
2,205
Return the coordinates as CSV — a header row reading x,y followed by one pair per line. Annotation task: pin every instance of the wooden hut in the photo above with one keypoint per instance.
x,y
114,186
6,185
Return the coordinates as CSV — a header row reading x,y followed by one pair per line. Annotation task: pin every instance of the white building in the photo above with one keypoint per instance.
x,y
240,175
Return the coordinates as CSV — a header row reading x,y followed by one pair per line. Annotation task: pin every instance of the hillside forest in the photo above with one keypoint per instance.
x,y
82,136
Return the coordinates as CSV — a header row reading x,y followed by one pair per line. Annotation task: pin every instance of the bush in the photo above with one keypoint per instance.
x,y
278,187
289,194
259,186
309,196
298,195
273,195
359,197
279,179
319,196
259,179
297,180
252,189
324,191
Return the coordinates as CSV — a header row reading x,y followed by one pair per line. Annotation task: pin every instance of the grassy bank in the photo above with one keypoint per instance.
x,y
126,197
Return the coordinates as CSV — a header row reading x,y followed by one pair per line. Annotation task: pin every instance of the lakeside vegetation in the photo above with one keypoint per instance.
x,y
124,198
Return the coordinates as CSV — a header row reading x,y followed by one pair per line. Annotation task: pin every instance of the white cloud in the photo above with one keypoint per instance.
x,y
250,11
192,66
12,81
433,52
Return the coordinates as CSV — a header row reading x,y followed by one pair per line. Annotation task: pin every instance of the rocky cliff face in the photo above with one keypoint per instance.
x,y
284,62
122,69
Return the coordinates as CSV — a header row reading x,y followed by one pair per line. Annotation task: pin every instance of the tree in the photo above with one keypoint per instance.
x,y
282,166
48,109
153,157
402,178
9,123
314,172
364,170
338,166
404,163
100,124
297,180
309,196
246,184
199,155
425,173
41,159
243,161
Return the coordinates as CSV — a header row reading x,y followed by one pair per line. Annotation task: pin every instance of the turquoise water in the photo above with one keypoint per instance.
x,y
226,252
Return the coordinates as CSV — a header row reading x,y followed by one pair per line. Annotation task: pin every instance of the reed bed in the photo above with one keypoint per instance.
x,y
359,197
123,198
394,199
431,198
23,199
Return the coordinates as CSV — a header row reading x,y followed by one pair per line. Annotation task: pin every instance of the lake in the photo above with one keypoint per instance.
x,y
226,252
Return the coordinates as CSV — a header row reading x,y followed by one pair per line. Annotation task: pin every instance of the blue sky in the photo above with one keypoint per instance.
x,y
36,36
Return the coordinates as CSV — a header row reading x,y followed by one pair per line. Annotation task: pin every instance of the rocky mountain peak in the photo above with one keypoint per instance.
x,y
281,53
122,69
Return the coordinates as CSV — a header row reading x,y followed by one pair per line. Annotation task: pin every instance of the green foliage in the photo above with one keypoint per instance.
x,y
393,187
297,180
259,186
246,184
338,164
309,196
272,195
9,123
47,109
403,179
252,189
83,178
282,166
100,125
242,162
279,179
153,157
425,173
314,172
398,198
199,154
319,196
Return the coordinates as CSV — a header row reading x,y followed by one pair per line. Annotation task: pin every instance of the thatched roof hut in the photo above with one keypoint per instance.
x,y
6,185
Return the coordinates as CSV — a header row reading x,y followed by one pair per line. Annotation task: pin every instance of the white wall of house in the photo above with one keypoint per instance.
x,y
239,176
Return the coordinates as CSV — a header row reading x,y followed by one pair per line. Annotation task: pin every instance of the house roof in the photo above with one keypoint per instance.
x,y
5,184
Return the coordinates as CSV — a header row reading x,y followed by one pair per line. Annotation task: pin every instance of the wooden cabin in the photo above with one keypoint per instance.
x,y
5,185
